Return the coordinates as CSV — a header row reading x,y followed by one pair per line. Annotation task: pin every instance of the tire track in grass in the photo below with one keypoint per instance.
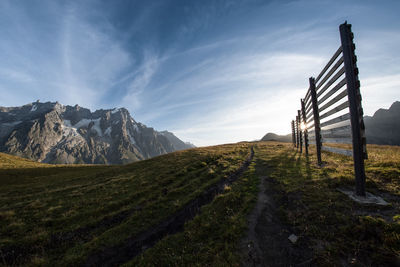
x,y
135,245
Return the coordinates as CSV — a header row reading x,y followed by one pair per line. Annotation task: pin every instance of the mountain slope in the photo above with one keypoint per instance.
x,y
384,126
275,137
54,133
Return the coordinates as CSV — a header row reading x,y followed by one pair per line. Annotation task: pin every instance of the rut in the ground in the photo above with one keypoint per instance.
x,y
135,245
266,242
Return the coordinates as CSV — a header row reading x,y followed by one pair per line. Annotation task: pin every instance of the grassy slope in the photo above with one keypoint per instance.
x,y
36,204
13,162
336,228
56,214
211,238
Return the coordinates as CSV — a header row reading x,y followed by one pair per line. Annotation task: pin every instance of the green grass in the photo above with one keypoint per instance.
x,y
211,238
38,204
55,214
337,229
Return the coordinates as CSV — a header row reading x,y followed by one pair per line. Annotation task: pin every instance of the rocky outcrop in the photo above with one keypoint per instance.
x,y
54,133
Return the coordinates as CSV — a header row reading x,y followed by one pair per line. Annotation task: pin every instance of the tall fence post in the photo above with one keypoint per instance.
x,y
293,134
356,111
297,132
300,131
303,114
317,128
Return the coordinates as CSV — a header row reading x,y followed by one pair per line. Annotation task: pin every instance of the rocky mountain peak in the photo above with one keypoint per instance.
x,y
54,133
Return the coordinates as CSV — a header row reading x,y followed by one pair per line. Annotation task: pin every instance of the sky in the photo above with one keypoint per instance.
x,y
211,72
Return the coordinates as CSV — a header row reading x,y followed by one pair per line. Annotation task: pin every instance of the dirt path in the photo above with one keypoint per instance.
x,y
266,242
250,245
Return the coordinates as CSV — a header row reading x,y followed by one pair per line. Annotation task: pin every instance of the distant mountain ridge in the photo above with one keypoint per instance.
x,y
275,137
53,133
383,128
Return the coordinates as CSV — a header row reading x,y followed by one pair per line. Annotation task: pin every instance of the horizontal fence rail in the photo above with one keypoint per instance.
x,y
331,113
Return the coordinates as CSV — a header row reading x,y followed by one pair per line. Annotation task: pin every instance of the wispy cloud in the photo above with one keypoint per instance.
x,y
212,71
76,63
91,60
15,75
266,99
140,81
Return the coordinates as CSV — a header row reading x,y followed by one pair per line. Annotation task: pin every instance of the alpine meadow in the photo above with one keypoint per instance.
x,y
199,133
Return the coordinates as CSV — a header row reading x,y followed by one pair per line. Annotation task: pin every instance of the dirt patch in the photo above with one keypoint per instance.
x,y
252,254
267,240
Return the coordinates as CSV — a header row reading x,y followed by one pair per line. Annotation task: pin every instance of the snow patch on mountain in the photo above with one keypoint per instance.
x,y
131,138
83,123
68,130
11,123
96,126
108,131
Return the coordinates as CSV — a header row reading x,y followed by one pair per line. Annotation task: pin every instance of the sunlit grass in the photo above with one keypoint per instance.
x,y
54,215
39,203
339,229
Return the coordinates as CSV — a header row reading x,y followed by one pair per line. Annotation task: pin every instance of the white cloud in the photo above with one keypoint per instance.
x,y
91,61
276,82
15,76
70,59
379,92
140,81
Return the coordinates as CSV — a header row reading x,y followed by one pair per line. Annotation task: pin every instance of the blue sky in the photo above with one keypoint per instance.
x,y
210,71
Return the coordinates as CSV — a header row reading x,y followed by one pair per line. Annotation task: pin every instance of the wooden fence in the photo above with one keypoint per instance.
x,y
332,113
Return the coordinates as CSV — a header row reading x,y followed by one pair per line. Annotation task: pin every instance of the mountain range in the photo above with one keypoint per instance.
x,y
54,133
383,128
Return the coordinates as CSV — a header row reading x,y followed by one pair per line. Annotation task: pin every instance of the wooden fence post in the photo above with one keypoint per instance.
x,y
303,114
300,131
293,134
297,132
356,111
316,119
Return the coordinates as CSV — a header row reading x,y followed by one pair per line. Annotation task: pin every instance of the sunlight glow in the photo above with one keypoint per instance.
x,y
303,126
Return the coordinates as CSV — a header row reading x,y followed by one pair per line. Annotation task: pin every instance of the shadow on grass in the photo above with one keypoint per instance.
x,y
309,204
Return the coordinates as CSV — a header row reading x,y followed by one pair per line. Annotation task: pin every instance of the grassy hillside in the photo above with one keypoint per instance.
x,y
65,214
13,162
71,214
337,230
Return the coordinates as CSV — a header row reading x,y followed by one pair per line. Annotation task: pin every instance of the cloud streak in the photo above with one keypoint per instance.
x,y
211,71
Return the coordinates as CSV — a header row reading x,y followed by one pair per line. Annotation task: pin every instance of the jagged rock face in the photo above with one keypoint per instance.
x,y
54,133
383,127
